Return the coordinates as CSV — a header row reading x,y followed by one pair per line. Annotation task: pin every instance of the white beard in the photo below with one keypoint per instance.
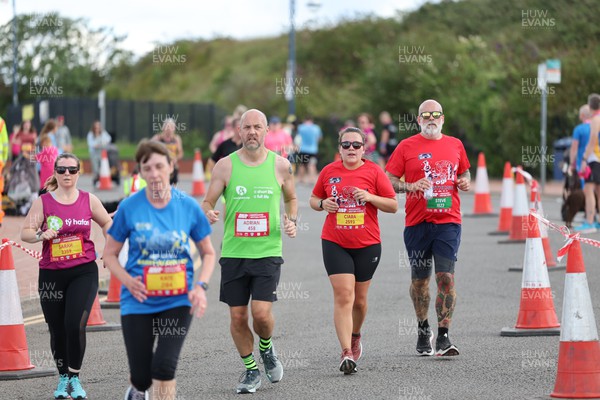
x,y
431,132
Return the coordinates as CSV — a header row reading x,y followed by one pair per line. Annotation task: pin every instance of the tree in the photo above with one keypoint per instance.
x,y
57,56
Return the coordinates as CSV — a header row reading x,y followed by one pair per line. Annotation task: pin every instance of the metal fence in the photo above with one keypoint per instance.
x,y
126,120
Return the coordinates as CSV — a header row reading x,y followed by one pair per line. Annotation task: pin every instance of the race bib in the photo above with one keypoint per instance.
x,y
165,280
66,248
251,224
350,220
439,203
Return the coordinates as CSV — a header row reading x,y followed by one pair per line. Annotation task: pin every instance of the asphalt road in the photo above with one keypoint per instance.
x,y
489,367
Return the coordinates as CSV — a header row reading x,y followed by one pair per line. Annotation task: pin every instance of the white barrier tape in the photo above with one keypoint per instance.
x,y
525,174
569,237
32,253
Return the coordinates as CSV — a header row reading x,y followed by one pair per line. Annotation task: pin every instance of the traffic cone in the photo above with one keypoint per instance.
x,y
578,371
96,321
520,212
537,316
113,300
105,179
506,202
198,175
483,201
14,352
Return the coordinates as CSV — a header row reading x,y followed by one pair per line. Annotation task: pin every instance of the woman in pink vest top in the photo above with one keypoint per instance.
x,y
68,282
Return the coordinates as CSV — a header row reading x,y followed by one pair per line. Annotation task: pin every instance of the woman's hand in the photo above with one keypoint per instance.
x,y
199,302
330,205
137,288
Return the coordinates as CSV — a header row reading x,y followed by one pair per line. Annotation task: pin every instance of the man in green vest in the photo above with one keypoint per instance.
x,y
252,180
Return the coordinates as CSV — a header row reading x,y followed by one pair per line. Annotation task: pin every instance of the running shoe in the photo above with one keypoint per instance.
x,y
586,227
357,347
273,367
443,347
347,364
77,392
425,342
249,381
61,389
134,394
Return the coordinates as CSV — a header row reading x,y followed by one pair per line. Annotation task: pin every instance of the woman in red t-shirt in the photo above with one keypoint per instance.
x,y
351,191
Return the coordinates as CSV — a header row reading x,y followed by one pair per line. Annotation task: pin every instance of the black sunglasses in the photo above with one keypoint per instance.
x,y
356,145
429,114
62,170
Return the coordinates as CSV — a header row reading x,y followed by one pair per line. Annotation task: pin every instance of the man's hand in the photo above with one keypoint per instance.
x,y
464,184
213,216
289,226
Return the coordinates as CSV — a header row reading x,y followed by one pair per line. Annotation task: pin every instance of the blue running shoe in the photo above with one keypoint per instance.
x,y
77,392
61,389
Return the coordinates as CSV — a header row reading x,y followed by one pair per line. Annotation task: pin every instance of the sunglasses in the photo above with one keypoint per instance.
x,y
62,170
429,114
356,145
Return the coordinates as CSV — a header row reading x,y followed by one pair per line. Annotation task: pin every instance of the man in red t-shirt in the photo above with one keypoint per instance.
x,y
434,167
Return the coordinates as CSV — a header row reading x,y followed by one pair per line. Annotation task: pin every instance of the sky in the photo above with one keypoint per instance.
x,y
149,22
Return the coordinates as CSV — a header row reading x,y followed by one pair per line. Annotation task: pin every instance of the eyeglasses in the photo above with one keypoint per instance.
x,y
429,114
356,145
62,170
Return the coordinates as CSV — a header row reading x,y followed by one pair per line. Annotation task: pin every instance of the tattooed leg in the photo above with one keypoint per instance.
x,y
419,293
446,298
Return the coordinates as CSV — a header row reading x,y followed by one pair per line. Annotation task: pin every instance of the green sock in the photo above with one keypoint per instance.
x,y
249,362
265,344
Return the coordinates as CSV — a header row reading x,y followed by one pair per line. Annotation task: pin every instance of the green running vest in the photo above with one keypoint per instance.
x,y
252,221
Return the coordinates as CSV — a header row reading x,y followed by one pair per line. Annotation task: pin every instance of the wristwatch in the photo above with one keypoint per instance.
x,y
38,235
321,204
203,285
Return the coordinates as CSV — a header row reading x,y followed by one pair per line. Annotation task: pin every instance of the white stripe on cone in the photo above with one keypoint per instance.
x,y
507,196
579,323
534,277
520,208
10,304
482,184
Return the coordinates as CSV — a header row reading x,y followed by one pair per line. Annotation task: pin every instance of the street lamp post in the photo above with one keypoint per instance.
x,y
14,29
291,68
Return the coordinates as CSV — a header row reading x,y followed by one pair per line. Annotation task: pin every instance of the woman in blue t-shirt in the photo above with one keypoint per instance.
x,y
158,294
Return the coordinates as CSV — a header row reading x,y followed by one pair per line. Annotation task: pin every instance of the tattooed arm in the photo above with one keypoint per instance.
x,y
464,181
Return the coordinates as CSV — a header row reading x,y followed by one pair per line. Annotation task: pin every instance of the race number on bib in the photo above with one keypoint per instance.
x,y
350,219
251,224
66,248
440,203
165,280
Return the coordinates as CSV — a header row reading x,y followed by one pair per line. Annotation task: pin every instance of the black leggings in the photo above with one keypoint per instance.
x,y
66,297
141,330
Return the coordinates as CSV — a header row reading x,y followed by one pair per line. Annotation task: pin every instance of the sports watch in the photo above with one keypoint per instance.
x,y
202,284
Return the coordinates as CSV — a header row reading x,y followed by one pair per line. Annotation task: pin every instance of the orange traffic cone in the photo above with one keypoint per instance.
x,y
96,321
578,372
105,179
14,353
537,204
506,202
483,201
520,212
537,316
113,300
198,175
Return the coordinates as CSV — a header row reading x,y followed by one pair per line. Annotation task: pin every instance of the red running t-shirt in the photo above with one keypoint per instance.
x,y
355,224
439,160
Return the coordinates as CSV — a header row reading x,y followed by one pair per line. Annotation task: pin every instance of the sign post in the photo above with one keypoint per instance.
x,y
548,72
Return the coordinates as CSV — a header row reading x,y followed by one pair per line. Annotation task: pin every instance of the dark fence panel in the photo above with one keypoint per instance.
x,y
127,120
